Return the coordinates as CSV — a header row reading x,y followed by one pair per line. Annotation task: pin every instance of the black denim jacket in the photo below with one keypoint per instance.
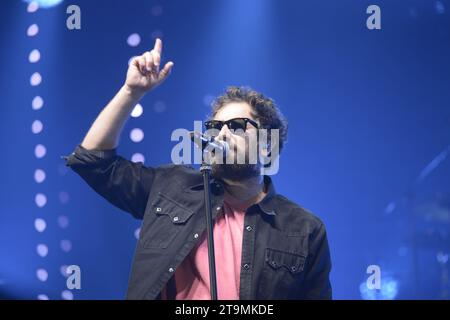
x,y
285,251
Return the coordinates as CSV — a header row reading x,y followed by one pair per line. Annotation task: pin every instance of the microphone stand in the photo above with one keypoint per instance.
x,y
203,142
205,169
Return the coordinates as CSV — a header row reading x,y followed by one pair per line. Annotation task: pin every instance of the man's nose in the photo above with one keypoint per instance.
x,y
224,133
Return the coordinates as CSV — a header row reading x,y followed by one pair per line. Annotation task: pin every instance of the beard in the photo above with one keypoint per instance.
x,y
235,172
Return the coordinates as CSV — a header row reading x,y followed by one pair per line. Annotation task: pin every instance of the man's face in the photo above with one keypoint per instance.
x,y
238,142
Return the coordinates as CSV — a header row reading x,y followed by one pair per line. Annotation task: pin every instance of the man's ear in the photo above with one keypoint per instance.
x,y
269,154
270,149
268,146
266,149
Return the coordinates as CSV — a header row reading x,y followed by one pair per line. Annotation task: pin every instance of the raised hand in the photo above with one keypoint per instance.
x,y
143,73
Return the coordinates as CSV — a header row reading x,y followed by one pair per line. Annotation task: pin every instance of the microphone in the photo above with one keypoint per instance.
x,y
203,140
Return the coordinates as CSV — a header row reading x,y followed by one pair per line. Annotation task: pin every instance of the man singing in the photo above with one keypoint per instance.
x,y
266,246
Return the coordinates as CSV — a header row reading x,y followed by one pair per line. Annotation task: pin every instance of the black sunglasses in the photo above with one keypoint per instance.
x,y
232,124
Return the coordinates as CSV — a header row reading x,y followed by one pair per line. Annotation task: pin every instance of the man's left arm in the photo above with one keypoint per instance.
x,y
316,285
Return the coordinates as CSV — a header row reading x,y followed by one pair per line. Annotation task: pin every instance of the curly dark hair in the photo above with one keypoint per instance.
x,y
265,111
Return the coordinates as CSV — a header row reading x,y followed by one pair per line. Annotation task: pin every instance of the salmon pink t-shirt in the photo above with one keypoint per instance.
x,y
191,279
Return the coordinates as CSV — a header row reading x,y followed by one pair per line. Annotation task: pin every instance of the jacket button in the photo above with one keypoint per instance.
x,y
246,266
218,208
196,236
175,219
249,228
158,209
293,269
171,270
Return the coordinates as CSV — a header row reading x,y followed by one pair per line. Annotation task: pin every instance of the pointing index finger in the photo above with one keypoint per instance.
x,y
158,46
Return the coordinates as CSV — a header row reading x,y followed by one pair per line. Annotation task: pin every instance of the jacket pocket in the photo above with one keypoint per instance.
x,y
292,262
163,221
281,274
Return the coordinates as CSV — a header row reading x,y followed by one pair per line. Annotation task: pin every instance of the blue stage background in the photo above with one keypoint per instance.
x,y
368,110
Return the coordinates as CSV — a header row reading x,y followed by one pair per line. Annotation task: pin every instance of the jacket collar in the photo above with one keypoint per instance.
x,y
266,205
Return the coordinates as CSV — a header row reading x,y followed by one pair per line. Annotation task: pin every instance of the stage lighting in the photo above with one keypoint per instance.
x,y
134,40
136,135
40,225
43,3
138,157
137,111
388,290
